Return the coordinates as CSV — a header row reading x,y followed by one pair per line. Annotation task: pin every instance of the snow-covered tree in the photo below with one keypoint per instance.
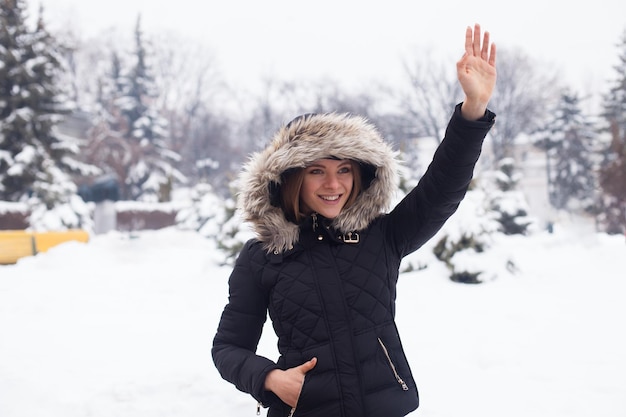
x,y
36,160
493,208
467,234
613,172
204,212
130,138
570,141
152,172
234,232
215,218
507,201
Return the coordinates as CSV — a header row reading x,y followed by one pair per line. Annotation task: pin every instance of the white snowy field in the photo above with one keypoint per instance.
x,y
122,327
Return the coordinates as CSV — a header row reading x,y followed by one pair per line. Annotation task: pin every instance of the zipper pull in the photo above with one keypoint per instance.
x,y
258,409
403,384
293,410
320,237
405,387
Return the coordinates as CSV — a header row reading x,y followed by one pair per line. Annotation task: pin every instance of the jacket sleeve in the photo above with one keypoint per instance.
x,y
239,332
422,212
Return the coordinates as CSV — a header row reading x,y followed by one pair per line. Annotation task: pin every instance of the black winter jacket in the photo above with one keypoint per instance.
x,y
330,286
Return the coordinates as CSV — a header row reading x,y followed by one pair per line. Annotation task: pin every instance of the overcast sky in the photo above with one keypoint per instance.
x,y
356,40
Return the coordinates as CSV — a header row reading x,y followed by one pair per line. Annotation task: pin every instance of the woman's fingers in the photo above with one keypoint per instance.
x,y
473,46
476,44
308,365
469,48
484,54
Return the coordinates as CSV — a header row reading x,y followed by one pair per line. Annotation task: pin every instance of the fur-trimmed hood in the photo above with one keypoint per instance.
x,y
296,145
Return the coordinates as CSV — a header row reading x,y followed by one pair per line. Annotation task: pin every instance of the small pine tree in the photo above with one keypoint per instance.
x,y
215,218
507,201
204,211
492,207
467,234
233,231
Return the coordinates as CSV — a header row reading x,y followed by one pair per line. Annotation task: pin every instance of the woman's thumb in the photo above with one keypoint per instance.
x,y
308,365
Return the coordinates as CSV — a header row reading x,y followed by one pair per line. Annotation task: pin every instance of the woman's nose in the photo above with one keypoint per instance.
x,y
332,181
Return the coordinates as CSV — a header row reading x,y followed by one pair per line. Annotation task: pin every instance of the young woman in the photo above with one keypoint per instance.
x,y
326,258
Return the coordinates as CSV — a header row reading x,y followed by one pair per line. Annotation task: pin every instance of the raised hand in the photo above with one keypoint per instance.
x,y
476,71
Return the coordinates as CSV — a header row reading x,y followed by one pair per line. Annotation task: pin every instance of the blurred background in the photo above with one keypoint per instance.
x,y
124,124
126,114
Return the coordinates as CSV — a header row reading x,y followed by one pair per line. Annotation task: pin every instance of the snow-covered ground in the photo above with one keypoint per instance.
x,y
122,327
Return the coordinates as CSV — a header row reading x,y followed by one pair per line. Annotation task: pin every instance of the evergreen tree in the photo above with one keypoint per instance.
x,y
152,172
613,172
35,160
508,203
570,141
493,207
129,137
215,218
467,235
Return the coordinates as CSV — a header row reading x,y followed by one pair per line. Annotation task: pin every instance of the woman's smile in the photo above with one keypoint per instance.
x,y
330,198
326,186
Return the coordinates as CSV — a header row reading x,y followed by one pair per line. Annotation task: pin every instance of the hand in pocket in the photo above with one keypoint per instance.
x,y
287,384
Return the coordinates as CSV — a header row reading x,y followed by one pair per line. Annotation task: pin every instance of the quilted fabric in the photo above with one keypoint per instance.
x,y
334,298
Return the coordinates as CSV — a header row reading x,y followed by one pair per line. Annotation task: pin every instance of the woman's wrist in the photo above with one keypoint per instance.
x,y
473,109
269,379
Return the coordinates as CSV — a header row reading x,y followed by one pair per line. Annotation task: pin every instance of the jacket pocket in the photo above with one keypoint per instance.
x,y
392,366
292,412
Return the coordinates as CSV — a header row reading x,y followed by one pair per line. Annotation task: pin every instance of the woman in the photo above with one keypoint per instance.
x,y
326,258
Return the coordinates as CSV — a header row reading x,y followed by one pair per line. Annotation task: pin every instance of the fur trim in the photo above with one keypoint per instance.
x,y
304,140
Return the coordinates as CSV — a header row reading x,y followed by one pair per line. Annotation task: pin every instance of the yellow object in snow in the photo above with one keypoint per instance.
x,y
16,244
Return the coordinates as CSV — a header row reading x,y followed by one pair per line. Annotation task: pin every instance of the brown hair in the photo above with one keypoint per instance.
x,y
292,183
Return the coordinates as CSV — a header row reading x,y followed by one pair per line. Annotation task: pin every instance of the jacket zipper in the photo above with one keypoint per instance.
x,y
393,367
293,409
315,225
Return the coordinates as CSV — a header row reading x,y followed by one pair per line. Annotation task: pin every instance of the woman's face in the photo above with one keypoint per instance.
x,y
326,186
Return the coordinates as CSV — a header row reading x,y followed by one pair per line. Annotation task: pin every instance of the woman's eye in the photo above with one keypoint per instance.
x,y
345,170
315,171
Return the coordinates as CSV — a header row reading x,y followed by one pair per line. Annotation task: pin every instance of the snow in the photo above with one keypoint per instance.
x,y
122,326
8,206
